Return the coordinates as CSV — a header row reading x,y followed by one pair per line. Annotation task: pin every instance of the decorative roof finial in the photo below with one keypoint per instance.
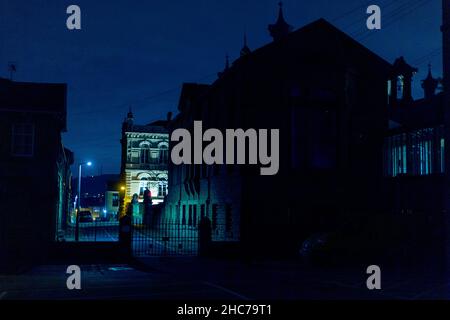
x,y
430,84
130,113
280,13
245,49
281,28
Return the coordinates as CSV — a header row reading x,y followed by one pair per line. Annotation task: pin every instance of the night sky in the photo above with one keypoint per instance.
x,y
138,53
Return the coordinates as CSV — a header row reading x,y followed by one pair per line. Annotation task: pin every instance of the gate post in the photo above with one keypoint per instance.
x,y
125,233
204,237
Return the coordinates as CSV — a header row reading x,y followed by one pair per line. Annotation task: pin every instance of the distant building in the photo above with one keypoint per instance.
x,y
34,169
416,153
97,196
145,155
327,95
112,198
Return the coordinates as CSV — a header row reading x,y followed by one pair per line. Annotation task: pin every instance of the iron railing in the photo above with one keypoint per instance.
x,y
164,239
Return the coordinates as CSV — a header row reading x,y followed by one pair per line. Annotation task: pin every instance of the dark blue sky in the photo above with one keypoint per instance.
x,y
138,53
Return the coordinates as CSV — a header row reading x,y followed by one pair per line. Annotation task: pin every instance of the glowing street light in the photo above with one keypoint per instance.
x,y
77,225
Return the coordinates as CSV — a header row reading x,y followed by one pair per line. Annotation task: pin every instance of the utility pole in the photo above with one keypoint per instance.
x,y
77,225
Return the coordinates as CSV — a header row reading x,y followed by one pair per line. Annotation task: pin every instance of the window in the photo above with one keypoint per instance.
x,y
155,154
418,152
115,200
162,189
135,157
144,185
202,211
389,90
145,154
23,140
190,215
214,216
194,222
163,155
228,218
400,87
322,138
183,217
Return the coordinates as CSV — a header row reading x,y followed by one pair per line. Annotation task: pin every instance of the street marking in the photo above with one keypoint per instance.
x,y
3,294
227,290
426,292
110,236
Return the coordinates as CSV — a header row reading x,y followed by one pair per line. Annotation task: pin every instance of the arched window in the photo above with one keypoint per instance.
x,y
145,153
163,154
162,189
144,184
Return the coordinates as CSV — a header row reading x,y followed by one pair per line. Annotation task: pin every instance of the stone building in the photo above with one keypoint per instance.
x,y
145,155
326,93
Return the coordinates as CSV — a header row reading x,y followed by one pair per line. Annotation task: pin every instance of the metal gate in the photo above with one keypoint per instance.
x,y
164,239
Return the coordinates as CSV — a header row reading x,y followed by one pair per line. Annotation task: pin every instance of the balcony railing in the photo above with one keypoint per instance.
x,y
146,166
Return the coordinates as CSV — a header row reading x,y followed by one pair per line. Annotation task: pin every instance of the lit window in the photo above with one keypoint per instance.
x,y
145,155
400,87
23,140
389,90
163,155
415,153
115,200
162,189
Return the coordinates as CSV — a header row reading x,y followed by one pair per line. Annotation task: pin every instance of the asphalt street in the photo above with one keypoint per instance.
x,y
194,278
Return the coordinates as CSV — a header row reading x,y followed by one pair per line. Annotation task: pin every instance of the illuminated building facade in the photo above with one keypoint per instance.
x,y
145,156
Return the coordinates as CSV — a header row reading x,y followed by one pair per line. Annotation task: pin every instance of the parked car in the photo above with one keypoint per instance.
x,y
350,243
315,247
85,217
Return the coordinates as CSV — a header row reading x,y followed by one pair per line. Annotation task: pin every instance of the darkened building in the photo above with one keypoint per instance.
x,y
415,165
328,96
34,169
416,155
415,147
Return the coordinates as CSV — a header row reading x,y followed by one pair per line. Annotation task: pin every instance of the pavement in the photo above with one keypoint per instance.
x,y
212,279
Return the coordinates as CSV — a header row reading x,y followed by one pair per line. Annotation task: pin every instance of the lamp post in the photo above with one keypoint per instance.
x,y
122,202
77,225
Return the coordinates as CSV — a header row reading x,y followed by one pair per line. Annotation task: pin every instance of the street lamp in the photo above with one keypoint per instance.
x,y
77,225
